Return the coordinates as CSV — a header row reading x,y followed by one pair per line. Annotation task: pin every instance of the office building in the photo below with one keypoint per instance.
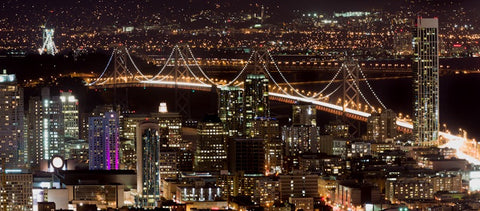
x,y
255,100
230,110
168,162
304,115
268,130
333,146
352,195
45,128
298,185
92,189
170,124
35,131
76,149
53,125
382,126
103,133
338,129
426,82
246,155
238,184
12,146
17,187
267,191
148,168
300,139
70,115
211,153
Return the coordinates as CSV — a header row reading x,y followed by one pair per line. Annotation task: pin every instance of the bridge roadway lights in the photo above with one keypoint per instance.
x,y
205,87
142,85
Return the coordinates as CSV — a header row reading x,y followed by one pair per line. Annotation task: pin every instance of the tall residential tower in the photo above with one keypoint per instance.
x,y
11,121
103,136
148,168
426,83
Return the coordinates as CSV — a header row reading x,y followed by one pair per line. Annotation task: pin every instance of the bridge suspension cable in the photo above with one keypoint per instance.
x,y
241,72
358,89
374,94
286,93
104,70
196,64
328,85
134,65
126,67
188,67
163,68
291,87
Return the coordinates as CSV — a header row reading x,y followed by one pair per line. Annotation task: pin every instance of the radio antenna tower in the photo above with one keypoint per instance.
x,y
48,46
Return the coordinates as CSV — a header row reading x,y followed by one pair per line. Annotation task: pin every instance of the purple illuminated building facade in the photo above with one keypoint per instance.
x,y
103,137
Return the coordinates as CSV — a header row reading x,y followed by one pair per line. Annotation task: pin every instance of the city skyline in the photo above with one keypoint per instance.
x,y
239,105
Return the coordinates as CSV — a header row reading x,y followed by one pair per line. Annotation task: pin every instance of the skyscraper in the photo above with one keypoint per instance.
x,y
255,100
35,131
246,155
50,120
103,136
268,130
52,125
382,126
70,114
304,115
211,153
426,83
11,120
16,190
148,168
230,109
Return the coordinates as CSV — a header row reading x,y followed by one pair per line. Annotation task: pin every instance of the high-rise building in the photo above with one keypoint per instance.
x,y
70,115
304,115
298,185
382,126
255,100
103,133
230,110
168,162
12,145
35,131
211,153
76,149
170,124
300,139
148,168
246,155
53,125
16,190
338,129
268,130
426,83
51,119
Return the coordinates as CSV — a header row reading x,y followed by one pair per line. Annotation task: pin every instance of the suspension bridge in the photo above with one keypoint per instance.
x,y
182,71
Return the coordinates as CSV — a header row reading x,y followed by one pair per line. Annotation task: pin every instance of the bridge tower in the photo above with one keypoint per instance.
x,y
48,46
120,73
181,67
350,84
351,92
260,58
